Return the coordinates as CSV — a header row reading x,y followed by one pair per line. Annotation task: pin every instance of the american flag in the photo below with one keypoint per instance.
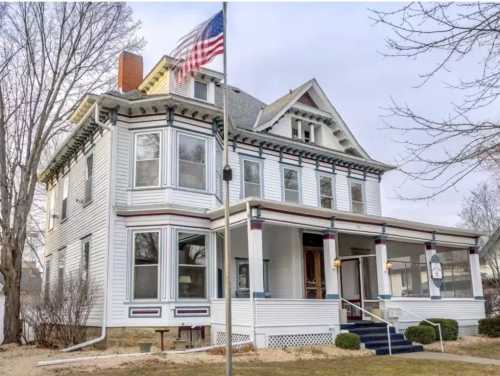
x,y
200,46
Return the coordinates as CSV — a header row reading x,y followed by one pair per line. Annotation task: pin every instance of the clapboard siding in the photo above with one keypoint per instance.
x,y
83,220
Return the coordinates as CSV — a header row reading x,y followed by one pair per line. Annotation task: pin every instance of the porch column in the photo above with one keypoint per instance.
x,y
383,281
475,273
430,250
299,129
255,259
331,271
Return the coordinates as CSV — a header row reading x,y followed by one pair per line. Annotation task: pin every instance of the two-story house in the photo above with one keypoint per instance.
x,y
135,202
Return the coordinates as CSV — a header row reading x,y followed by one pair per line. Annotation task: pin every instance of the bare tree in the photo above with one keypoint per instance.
x,y
444,151
481,212
50,55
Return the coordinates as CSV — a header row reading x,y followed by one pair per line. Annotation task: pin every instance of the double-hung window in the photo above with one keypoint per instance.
x,y
89,177
192,162
192,265
243,277
147,159
357,197
291,185
200,90
326,197
52,205
146,266
252,183
85,263
65,194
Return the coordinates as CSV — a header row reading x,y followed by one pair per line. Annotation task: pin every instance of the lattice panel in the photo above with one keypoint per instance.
x,y
297,340
220,338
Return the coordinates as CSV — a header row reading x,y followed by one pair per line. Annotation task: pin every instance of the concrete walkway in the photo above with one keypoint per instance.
x,y
428,355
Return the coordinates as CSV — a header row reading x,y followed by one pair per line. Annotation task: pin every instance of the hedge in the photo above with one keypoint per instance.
x,y
449,328
420,333
490,327
349,341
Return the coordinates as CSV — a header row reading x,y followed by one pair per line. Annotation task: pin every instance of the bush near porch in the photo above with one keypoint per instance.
x,y
449,328
421,334
490,327
348,341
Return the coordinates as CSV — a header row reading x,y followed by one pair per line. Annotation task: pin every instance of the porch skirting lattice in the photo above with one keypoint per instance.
x,y
220,338
297,340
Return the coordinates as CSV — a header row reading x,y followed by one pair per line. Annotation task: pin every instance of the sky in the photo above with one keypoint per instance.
x,y
274,47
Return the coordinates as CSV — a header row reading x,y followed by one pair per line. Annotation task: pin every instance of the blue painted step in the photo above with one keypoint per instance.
x,y
374,336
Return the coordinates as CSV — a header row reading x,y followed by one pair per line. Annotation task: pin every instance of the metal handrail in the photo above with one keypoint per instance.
x,y
427,321
388,324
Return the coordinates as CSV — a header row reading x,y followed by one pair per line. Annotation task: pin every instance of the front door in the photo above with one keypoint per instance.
x,y
351,288
314,276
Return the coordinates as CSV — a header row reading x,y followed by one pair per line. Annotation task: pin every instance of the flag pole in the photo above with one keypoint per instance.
x,y
227,176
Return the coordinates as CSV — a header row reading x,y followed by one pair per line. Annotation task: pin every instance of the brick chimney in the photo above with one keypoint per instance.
x,y
129,71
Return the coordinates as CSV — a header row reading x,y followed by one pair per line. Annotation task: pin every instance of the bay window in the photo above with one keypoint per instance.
x,y
408,269
291,185
326,191
192,162
457,281
146,267
357,197
251,178
147,159
192,265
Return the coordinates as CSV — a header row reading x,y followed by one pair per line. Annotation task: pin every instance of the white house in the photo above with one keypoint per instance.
x,y
135,202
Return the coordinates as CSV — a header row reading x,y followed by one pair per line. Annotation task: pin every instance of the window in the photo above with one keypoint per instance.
x,y
243,275
192,162
408,272
60,273
307,135
251,178
326,191
200,90
65,193
457,282
357,197
85,263
89,172
52,204
291,189
146,245
295,131
218,172
192,265
147,160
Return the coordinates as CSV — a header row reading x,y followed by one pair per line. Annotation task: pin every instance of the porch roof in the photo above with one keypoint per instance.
x,y
328,214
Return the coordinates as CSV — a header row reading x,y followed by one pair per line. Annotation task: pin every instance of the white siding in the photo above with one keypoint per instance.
x,y
2,313
83,220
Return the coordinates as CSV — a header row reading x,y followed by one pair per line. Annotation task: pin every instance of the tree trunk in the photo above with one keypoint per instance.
x,y
12,321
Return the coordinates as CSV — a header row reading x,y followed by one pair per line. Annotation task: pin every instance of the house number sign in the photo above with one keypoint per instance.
x,y
436,270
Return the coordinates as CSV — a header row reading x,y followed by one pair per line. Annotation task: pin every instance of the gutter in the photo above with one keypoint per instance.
x,y
107,264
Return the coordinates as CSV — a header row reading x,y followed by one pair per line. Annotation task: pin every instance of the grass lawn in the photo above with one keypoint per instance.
x,y
491,350
369,366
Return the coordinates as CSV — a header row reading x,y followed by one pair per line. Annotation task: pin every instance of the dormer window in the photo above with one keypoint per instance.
x,y
295,131
200,90
307,136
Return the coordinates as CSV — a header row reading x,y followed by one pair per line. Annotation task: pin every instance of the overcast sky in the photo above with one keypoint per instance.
x,y
274,47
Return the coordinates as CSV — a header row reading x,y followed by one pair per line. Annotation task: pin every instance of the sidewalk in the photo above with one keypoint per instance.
x,y
427,355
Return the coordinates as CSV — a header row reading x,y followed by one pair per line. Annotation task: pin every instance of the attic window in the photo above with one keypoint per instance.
x,y
200,90
295,131
307,136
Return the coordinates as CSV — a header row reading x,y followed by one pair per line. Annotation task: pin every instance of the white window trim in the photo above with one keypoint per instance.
x,y
207,263
132,274
160,164
363,193
193,90
257,160
321,174
299,177
177,159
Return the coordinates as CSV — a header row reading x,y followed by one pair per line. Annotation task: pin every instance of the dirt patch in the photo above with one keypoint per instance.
x,y
470,345
22,360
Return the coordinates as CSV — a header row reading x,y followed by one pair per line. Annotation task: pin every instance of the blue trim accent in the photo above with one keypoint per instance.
x,y
436,297
259,294
332,296
479,298
385,297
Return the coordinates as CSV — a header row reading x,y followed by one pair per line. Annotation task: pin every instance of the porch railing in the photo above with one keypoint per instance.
x,y
388,324
427,321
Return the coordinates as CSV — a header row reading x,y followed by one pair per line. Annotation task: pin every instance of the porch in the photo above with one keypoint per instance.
x,y
291,273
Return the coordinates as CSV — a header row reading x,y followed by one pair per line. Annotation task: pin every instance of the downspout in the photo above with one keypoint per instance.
x,y
102,337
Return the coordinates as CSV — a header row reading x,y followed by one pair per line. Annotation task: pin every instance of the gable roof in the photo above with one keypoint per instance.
x,y
272,113
243,108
